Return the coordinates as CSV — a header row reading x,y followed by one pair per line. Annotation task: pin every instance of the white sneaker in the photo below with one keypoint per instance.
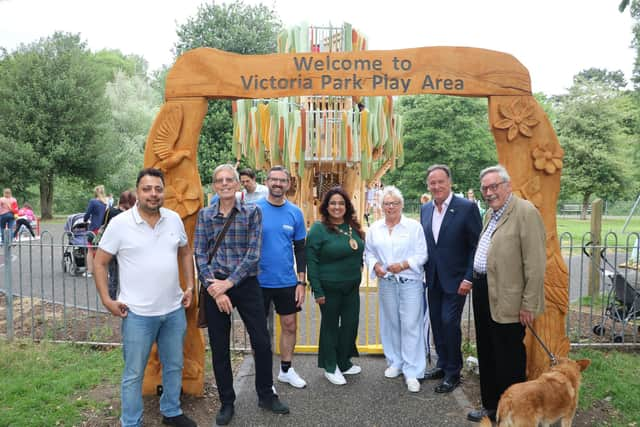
x,y
335,378
353,370
291,377
413,385
392,372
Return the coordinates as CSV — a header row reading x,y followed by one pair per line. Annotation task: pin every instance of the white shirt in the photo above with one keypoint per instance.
x,y
436,219
406,242
147,260
260,192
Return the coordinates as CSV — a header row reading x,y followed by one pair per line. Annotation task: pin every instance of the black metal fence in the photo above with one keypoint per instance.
x,y
44,294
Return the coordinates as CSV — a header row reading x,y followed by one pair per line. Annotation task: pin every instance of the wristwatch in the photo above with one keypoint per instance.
x,y
300,282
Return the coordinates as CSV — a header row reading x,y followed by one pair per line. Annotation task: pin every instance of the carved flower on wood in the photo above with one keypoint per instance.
x,y
181,198
518,117
548,157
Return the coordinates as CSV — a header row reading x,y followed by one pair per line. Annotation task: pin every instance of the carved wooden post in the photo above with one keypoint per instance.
x,y
172,146
529,149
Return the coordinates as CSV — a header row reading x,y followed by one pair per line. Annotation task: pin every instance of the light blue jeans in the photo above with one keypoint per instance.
x,y
138,335
402,325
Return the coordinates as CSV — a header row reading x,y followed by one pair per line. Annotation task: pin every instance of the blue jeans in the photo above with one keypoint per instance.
x,y
138,335
6,220
402,325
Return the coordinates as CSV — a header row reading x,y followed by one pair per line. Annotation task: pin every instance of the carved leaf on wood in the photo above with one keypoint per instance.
x,y
181,198
519,117
531,191
166,136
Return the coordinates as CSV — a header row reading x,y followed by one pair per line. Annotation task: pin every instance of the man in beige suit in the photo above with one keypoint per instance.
x,y
508,286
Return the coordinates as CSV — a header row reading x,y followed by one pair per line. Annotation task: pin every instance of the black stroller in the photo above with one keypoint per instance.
x,y
622,304
74,244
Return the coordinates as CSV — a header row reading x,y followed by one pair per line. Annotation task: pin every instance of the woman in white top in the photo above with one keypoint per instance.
x,y
396,252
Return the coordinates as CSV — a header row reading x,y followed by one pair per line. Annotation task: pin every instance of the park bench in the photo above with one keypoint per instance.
x,y
573,209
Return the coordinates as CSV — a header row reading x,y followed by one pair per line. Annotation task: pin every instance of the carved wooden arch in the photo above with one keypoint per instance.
x,y
525,140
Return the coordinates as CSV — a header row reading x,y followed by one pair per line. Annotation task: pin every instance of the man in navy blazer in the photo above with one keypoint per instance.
x,y
451,226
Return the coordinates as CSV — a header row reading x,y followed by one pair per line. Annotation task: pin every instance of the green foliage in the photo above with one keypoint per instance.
x,y
51,100
72,194
134,104
15,165
111,61
443,129
47,384
234,27
591,132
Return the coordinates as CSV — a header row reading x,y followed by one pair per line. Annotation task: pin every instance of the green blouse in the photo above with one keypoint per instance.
x,y
330,257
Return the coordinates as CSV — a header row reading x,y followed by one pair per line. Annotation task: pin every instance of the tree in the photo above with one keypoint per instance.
x,y
446,130
234,27
590,131
52,101
134,104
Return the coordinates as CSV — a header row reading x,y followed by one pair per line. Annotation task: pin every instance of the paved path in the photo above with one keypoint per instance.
x,y
368,399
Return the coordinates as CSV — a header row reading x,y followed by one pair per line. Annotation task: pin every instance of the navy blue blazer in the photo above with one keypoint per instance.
x,y
452,257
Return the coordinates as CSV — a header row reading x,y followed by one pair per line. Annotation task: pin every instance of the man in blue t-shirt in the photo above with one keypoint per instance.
x,y
283,235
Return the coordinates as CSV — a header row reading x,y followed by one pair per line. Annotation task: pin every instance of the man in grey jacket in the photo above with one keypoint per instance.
x,y
508,286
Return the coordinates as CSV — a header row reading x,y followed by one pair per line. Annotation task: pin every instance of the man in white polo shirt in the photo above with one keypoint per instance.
x,y
149,241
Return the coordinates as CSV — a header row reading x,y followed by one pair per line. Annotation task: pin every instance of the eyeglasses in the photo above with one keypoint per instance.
x,y
492,187
224,180
390,204
279,180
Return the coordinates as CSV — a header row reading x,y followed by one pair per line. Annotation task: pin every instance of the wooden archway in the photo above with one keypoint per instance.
x,y
525,140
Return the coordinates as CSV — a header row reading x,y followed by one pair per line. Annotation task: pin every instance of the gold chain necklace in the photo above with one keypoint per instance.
x,y
352,241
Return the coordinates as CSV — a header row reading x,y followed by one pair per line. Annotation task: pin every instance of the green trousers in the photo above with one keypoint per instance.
x,y
339,325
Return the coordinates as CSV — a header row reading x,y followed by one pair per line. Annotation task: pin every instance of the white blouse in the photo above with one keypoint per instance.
x,y
406,242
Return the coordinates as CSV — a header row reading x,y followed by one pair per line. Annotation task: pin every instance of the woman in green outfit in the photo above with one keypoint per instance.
x,y
334,268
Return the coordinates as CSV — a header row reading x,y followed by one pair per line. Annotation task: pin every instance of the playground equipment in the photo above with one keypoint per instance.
x,y
323,140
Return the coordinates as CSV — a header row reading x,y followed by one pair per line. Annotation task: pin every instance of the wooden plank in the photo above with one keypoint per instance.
x,y
461,71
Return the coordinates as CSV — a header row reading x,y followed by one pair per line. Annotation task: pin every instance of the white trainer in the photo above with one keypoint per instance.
x,y
392,372
291,377
353,370
413,385
335,378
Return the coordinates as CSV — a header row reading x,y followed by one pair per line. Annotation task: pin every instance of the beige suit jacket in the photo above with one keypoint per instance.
x,y
516,262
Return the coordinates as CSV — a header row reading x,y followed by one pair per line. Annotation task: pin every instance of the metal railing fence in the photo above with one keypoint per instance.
x,y
42,297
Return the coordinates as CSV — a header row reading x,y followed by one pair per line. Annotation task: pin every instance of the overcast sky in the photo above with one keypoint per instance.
x,y
554,39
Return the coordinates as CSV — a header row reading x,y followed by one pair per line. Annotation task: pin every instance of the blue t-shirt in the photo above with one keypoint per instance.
x,y
281,225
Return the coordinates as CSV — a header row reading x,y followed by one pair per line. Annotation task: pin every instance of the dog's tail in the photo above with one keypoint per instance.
x,y
485,422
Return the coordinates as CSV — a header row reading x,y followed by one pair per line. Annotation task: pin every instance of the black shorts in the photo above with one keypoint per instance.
x,y
284,300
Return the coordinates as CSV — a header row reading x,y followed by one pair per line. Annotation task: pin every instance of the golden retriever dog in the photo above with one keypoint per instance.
x,y
551,397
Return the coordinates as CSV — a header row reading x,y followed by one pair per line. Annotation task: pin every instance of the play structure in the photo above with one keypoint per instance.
x,y
525,140
322,140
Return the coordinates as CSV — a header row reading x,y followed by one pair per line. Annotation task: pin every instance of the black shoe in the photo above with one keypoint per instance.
x,y
478,414
448,385
224,415
274,405
180,421
434,374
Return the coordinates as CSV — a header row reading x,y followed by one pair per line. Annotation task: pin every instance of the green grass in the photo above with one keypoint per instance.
x,y
46,384
577,228
613,377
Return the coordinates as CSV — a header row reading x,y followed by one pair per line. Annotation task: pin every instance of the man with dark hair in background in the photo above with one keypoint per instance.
x,y
252,190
